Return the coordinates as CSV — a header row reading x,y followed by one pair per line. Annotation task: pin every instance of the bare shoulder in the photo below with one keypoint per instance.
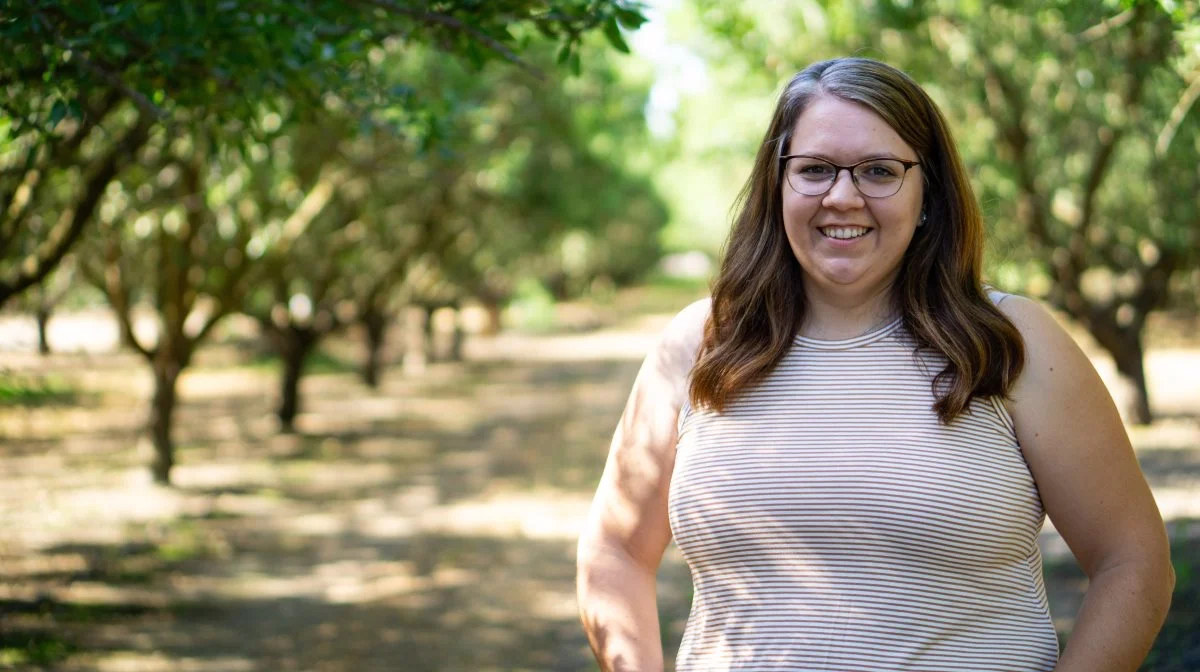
x,y
1041,331
1077,450
1059,394
680,341
1052,358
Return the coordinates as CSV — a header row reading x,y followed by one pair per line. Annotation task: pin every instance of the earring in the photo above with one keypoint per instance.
x,y
922,221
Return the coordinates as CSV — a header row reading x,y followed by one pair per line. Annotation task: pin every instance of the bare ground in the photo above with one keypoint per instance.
x,y
427,526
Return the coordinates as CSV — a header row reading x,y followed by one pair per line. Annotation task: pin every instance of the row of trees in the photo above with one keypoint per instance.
x,y
312,164
1078,117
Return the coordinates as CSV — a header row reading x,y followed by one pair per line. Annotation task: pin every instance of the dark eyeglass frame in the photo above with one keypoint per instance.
x,y
837,172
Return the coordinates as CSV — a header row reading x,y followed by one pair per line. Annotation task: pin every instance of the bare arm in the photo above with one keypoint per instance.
x,y
1094,491
627,529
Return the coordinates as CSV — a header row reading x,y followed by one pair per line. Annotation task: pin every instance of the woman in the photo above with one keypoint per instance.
x,y
854,444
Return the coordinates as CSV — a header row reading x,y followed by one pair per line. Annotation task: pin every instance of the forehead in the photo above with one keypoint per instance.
x,y
843,131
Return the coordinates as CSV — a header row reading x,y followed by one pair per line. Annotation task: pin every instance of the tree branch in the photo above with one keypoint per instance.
x,y
1178,113
19,205
71,226
1100,30
1109,140
141,101
116,289
435,18
313,204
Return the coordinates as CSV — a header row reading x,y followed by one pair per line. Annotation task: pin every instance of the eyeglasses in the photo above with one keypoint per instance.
x,y
874,178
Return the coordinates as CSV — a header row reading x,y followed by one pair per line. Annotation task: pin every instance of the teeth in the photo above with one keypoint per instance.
x,y
844,232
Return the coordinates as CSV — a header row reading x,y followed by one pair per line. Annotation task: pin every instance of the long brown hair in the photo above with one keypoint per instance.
x,y
758,301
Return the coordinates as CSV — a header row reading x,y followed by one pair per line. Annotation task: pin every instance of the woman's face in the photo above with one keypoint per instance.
x,y
846,133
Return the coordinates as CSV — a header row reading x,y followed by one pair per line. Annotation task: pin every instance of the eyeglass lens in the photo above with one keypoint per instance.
x,y
877,178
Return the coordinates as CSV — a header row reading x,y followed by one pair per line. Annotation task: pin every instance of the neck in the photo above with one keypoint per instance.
x,y
839,316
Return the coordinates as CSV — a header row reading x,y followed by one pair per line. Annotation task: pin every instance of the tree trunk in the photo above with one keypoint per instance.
x,y
296,343
162,411
429,334
457,337
375,323
1124,343
494,312
1130,360
43,320
456,341
416,345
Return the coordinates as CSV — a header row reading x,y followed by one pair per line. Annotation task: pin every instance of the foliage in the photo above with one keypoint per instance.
x,y
516,189
86,83
1077,121
541,188
280,201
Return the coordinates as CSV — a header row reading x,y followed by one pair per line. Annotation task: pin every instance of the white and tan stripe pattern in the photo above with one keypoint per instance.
x,y
831,523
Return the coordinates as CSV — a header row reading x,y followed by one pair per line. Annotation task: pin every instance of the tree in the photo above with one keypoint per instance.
x,y
179,228
510,179
44,298
86,82
177,239
1078,119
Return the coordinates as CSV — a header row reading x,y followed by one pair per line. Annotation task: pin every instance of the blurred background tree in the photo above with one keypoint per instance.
x,y
86,82
1076,119
173,126
318,165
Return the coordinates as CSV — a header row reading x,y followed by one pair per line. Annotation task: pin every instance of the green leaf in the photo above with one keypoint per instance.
x,y
630,19
564,52
57,112
613,32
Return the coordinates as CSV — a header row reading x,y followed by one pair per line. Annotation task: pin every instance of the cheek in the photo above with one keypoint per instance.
x,y
797,212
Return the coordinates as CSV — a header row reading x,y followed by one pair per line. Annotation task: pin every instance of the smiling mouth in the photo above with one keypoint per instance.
x,y
844,232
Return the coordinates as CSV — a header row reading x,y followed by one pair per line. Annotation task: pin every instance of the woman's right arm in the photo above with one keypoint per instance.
x,y
627,531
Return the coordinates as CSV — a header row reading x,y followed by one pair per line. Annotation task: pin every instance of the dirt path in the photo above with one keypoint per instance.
x,y
427,526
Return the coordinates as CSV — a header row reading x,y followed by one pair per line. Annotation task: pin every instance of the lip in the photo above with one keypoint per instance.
x,y
845,225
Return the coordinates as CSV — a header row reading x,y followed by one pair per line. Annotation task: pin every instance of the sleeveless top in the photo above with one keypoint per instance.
x,y
831,523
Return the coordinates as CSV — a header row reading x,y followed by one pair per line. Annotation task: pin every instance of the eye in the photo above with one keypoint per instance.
x,y
812,168
880,170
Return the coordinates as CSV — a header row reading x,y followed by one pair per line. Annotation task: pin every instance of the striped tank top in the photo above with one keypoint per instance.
x,y
832,524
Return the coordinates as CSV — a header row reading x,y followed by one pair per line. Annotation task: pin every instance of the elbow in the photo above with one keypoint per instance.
x,y
1165,577
1150,577
589,559
1158,581
1170,581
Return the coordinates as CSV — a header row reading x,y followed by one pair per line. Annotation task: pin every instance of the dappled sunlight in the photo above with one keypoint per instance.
x,y
157,662
393,525
532,515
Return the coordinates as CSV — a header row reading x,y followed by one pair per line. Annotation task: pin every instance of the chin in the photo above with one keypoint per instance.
x,y
841,276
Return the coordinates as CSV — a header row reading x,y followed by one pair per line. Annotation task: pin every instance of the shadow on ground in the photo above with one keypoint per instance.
x,y
427,526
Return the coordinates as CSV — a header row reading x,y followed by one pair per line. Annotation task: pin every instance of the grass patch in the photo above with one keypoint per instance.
x,y
318,362
73,612
186,542
25,390
1177,648
32,648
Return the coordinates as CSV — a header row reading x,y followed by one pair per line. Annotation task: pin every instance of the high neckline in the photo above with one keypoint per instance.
x,y
848,343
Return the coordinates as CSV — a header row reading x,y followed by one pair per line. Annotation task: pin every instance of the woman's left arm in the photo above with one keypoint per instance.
x,y
1094,492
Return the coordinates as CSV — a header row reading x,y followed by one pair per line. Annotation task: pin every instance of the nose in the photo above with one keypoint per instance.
x,y
843,195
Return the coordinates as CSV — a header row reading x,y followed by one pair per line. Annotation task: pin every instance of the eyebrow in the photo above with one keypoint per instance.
x,y
877,155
